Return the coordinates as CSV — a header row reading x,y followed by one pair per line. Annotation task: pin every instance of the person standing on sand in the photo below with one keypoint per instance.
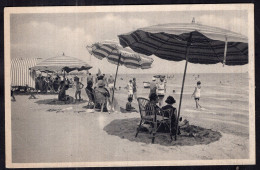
x,y
79,86
134,88
153,86
196,95
89,78
130,88
161,90
110,82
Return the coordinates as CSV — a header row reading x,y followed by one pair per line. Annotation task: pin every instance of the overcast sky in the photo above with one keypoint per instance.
x,y
49,35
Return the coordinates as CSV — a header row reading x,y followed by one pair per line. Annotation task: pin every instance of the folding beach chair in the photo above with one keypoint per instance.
x,y
152,117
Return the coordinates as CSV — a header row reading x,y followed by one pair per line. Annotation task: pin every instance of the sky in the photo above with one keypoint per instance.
x,y
49,35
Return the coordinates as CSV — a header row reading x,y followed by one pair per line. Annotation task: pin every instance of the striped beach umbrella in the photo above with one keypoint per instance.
x,y
116,54
192,42
62,63
20,73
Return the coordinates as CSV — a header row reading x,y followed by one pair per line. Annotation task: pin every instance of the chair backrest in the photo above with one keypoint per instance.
x,y
99,97
90,96
144,108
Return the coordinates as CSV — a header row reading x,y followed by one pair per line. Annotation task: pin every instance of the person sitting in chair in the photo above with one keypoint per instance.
x,y
170,101
101,95
152,104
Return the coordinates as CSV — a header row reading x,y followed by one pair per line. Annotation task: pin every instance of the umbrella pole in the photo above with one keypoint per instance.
x,y
115,78
182,87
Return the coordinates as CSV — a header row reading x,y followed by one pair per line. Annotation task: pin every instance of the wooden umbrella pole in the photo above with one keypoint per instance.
x,y
182,87
115,78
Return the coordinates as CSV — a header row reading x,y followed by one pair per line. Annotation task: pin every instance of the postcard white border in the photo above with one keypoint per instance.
x,y
132,8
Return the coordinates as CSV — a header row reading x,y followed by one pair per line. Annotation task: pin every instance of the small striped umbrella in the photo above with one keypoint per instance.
x,y
116,54
20,73
192,42
62,63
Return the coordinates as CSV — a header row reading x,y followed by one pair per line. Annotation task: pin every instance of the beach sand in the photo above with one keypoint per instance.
x,y
43,133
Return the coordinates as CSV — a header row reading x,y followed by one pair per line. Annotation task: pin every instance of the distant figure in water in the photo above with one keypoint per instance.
x,y
196,95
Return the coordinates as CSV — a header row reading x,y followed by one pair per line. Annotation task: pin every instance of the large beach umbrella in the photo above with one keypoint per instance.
x,y
62,63
192,42
116,54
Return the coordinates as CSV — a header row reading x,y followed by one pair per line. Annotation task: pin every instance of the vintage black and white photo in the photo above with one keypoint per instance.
x,y
129,85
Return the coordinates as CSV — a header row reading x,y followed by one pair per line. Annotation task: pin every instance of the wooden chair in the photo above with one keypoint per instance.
x,y
91,97
153,117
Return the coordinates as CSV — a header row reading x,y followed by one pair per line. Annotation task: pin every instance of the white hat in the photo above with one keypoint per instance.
x,y
153,78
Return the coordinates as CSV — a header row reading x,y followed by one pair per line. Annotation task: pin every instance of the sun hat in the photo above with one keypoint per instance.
x,y
170,100
100,83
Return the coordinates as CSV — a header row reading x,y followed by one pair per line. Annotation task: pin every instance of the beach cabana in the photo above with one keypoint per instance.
x,y
62,63
192,42
21,76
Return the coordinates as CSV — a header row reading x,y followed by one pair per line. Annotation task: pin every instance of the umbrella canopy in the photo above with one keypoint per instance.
x,y
192,42
209,45
118,55
60,63
112,51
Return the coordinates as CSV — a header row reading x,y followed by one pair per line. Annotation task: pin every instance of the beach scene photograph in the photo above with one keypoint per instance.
x,y
129,86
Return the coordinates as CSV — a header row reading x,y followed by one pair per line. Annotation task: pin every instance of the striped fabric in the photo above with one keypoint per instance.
x,y
169,41
20,73
112,51
60,63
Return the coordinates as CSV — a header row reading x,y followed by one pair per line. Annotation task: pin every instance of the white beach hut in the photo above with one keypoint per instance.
x,y
20,73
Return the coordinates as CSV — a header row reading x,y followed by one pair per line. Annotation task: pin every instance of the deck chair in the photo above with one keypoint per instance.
x,y
152,117
100,99
90,97
147,115
161,119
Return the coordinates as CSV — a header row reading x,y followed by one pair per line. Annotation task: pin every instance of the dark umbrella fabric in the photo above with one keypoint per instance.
x,y
167,44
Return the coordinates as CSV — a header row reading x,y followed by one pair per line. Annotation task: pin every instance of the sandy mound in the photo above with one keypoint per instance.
x,y
190,135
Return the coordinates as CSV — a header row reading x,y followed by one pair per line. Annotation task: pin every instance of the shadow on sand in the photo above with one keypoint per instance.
x,y
57,102
190,135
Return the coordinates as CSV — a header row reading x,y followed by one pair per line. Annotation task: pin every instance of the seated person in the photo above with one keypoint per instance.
x,y
151,106
129,106
170,101
62,93
101,94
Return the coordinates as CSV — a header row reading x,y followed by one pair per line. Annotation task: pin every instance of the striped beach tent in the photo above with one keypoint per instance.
x,y
20,73
62,63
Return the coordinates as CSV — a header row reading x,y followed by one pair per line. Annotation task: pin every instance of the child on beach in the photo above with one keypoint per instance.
x,y
196,95
128,106
79,86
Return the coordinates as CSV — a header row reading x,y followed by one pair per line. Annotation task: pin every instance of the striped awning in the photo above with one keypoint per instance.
x,y
20,73
60,63
209,45
113,51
